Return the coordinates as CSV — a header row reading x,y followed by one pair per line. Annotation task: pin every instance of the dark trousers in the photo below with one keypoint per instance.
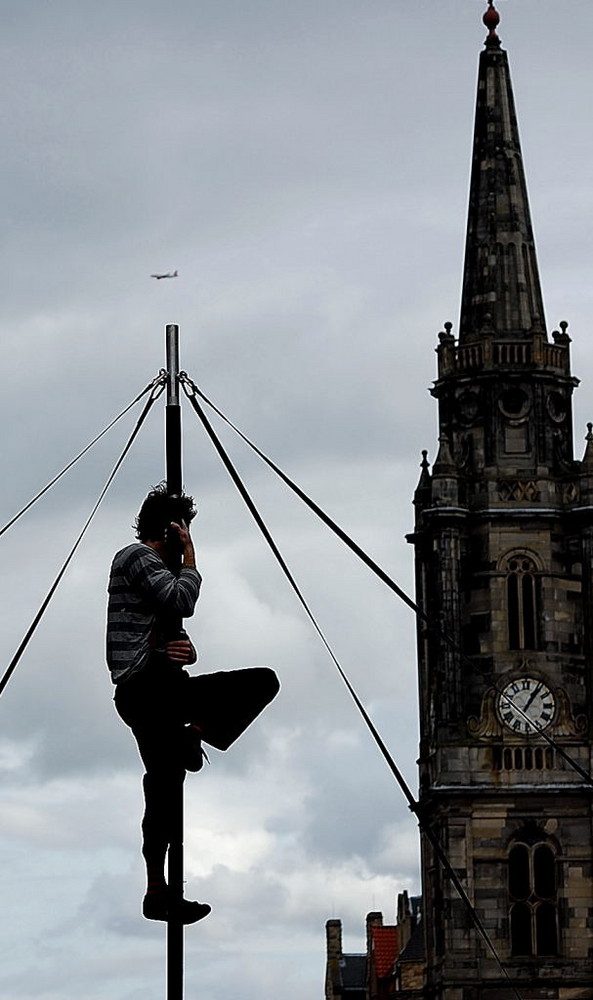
x,y
158,702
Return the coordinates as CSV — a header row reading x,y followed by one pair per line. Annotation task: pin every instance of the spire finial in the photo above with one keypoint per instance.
x,y
491,19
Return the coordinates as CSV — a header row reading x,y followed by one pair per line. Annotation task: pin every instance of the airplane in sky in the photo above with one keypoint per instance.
x,y
169,274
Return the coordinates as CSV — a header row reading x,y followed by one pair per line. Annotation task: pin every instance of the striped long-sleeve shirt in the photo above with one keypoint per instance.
x,y
142,593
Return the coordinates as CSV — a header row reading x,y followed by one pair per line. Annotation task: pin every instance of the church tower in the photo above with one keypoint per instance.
x,y
504,571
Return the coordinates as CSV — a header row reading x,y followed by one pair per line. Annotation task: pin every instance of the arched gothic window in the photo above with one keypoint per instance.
x,y
521,602
533,898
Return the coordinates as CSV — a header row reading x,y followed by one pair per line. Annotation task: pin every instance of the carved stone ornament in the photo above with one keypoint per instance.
x,y
515,489
567,724
570,492
557,406
468,405
488,724
514,403
466,454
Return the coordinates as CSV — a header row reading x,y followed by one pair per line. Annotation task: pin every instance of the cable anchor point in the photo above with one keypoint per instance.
x,y
189,386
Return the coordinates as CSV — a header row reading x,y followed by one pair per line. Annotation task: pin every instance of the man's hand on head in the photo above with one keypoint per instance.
x,y
182,532
189,558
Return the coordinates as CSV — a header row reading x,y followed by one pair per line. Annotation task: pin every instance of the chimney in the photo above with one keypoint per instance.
x,y
333,972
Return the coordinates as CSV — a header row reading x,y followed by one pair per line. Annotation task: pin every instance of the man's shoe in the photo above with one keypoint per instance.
x,y
155,906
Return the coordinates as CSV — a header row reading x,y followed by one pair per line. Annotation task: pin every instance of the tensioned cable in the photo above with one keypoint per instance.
x,y
80,454
191,389
414,806
157,389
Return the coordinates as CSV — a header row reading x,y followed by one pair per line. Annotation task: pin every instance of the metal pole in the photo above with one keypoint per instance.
x,y
175,860
173,412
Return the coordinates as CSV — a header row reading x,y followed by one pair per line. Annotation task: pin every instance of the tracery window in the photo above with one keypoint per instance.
x,y
521,602
533,898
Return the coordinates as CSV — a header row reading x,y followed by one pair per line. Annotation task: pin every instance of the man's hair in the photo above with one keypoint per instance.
x,y
157,512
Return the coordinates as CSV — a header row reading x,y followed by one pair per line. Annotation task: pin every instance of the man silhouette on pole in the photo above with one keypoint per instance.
x,y
169,711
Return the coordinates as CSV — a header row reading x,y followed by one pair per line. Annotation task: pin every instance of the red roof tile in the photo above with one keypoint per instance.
x,y
385,949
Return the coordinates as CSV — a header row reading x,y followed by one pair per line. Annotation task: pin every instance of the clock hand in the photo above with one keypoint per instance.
x,y
533,696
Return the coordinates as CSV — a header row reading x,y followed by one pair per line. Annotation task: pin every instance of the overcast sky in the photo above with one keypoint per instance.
x,y
305,167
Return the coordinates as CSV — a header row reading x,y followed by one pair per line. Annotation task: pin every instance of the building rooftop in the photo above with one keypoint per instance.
x,y
385,948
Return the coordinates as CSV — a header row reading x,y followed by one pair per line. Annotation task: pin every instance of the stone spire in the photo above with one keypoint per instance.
x,y
501,289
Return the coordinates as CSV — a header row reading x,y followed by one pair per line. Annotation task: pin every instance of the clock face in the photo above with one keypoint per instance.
x,y
526,705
